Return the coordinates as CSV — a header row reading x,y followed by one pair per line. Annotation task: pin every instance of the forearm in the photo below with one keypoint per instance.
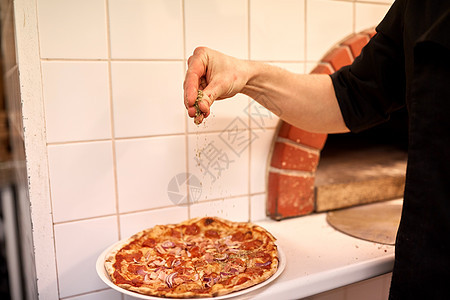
x,y
305,101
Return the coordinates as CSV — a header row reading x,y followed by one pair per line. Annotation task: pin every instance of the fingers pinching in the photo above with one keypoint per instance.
x,y
205,103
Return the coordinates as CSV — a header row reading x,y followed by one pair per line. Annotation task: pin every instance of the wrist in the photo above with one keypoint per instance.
x,y
254,71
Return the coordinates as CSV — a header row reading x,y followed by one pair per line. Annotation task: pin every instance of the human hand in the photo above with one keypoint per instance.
x,y
217,75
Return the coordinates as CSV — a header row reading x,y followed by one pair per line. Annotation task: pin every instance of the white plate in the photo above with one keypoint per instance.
x,y
101,271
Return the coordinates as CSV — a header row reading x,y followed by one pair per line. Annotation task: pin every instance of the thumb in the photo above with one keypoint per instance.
x,y
204,102
209,95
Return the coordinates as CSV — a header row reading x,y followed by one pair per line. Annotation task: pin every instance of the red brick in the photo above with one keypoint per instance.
x,y
289,196
339,57
323,69
310,139
356,43
289,157
284,129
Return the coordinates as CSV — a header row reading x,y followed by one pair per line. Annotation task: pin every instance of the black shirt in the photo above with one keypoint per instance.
x,y
407,63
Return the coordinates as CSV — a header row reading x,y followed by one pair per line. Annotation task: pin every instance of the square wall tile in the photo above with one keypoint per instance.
x,y
78,245
277,30
72,28
81,180
258,207
220,161
233,209
146,29
328,22
221,25
109,294
260,150
368,15
148,98
223,112
144,169
76,101
135,222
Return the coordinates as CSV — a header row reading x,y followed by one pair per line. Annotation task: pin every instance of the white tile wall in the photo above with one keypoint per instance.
x,y
100,295
234,209
146,29
76,100
116,128
277,32
72,28
220,161
218,24
333,17
257,207
135,222
222,114
144,169
147,98
260,149
81,180
368,14
78,245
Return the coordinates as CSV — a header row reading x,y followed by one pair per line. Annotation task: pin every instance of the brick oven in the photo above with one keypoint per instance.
x,y
311,172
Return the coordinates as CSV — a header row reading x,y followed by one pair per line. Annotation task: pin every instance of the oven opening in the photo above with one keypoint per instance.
x,y
365,167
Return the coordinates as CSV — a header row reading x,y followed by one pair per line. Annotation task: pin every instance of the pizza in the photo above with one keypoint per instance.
x,y
201,257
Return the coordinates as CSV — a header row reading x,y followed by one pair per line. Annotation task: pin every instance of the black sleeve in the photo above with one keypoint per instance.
x,y
373,86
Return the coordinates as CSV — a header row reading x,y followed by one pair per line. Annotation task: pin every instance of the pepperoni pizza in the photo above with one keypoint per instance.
x,y
203,257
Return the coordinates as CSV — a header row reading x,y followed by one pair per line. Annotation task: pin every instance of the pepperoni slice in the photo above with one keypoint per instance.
x,y
133,256
195,251
150,242
175,233
242,280
133,268
261,255
212,234
237,237
252,245
192,229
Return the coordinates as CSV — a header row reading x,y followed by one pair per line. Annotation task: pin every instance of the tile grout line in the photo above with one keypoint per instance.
x,y
249,184
186,118
156,60
143,137
90,293
57,59
111,106
305,35
157,208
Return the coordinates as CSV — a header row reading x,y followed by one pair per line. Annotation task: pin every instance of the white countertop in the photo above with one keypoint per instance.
x,y
320,258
